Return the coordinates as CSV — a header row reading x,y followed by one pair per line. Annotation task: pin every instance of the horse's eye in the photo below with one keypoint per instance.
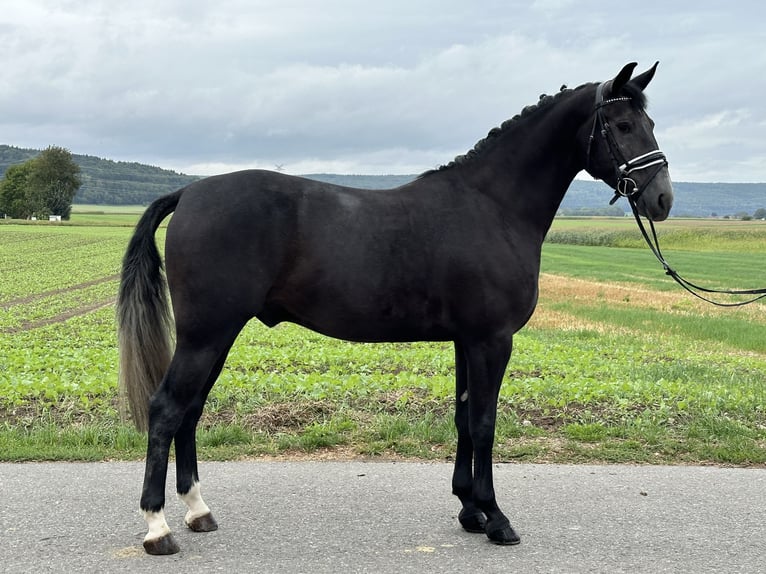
x,y
624,127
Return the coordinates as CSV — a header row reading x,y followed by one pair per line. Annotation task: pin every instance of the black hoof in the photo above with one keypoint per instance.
x,y
502,533
473,521
162,546
204,523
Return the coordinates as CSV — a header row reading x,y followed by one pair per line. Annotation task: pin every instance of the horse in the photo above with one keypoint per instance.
x,y
452,256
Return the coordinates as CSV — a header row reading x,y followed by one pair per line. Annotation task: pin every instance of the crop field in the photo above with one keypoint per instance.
x,y
617,365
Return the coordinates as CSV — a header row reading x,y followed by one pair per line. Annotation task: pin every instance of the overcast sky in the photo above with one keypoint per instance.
x,y
368,87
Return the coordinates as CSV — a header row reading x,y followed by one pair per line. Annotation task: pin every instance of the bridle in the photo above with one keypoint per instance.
x,y
626,187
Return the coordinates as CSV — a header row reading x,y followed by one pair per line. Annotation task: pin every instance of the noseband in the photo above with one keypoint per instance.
x,y
626,185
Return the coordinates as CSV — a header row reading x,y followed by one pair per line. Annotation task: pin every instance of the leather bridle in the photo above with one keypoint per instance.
x,y
627,187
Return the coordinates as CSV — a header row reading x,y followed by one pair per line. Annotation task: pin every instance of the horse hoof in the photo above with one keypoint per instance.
x,y
474,522
502,534
162,546
204,523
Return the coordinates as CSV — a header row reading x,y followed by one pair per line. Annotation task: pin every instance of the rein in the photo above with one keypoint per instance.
x,y
695,290
627,187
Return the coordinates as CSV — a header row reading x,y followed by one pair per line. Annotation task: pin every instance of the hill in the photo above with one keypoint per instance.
x,y
691,199
109,182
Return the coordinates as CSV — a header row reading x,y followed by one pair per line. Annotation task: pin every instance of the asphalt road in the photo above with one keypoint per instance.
x,y
339,517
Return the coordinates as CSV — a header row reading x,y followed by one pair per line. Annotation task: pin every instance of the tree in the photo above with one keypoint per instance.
x,y
42,186
760,213
13,191
53,182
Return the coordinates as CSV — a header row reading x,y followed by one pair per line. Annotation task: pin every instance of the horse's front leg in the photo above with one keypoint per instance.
x,y
471,518
487,361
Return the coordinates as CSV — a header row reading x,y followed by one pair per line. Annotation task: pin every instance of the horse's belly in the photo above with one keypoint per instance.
x,y
372,320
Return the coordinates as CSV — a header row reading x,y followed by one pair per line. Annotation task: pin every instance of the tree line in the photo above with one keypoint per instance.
x,y
42,186
109,182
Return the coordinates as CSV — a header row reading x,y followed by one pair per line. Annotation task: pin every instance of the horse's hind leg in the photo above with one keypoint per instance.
x,y
198,518
182,391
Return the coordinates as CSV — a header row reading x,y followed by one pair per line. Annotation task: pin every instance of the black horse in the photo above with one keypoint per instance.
x,y
451,256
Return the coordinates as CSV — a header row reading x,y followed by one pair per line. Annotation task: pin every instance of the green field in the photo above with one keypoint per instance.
x,y
617,365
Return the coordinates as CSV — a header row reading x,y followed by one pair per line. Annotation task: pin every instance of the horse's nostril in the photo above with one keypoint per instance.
x,y
665,202
661,200
662,207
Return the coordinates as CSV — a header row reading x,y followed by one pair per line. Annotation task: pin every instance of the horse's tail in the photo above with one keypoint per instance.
x,y
143,315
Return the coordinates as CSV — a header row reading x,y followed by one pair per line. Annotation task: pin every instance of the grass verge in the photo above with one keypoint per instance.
x,y
528,436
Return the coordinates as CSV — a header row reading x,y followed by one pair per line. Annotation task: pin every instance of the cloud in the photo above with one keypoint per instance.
x,y
360,87
709,131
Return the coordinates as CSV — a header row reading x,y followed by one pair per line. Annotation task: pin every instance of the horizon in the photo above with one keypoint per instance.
x,y
582,176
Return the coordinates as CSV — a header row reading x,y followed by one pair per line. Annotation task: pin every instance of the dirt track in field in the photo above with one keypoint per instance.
x,y
53,292
61,317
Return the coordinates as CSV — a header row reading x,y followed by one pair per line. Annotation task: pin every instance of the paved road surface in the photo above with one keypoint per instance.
x,y
339,517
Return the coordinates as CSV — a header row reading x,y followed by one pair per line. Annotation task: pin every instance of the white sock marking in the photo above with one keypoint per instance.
x,y
195,504
158,527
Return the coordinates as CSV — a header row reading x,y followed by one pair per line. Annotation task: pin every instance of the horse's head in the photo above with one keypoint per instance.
x,y
620,147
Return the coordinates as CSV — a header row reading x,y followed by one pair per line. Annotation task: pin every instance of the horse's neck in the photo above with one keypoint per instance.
x,y
532,164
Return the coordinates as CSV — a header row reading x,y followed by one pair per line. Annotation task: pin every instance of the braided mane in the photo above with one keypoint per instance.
x,y
637,98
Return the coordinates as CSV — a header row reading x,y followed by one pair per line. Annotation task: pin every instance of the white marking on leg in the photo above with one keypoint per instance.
x,y
195,504
158,527
464,397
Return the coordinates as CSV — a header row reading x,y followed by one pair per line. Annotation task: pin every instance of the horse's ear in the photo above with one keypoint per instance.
x,y
642,80
622,78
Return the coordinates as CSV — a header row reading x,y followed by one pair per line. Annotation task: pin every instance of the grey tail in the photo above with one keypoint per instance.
x,y
143,315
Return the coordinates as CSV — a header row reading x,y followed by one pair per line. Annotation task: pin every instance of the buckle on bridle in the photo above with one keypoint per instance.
x,y
626,187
